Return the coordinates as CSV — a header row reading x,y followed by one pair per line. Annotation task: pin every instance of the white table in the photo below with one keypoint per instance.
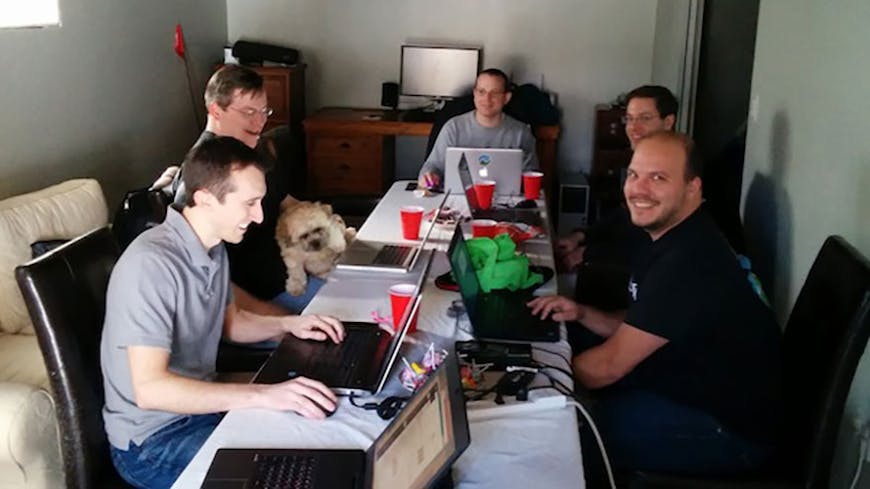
x,y
508,449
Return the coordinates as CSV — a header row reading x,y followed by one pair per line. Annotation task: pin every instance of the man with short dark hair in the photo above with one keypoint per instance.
x,y
237,106
687,378
169,303
649,109
487,126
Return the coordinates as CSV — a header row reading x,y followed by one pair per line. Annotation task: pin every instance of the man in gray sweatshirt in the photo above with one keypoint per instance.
x,y
487,126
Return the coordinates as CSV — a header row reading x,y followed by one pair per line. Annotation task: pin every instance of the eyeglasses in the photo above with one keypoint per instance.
x,y
251,112
479,92
641,119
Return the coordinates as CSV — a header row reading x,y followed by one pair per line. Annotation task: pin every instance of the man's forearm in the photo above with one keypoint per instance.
x,y
250,327
593,369
599,322
245,300
177,394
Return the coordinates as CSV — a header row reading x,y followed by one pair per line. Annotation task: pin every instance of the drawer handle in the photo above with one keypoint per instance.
x,y
344,145
344,167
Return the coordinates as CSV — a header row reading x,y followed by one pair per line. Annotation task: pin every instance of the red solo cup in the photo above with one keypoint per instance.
x,y
532,184
412,216
400,299
484,228
484,190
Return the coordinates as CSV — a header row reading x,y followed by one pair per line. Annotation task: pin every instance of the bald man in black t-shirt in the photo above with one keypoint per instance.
x,y
687,378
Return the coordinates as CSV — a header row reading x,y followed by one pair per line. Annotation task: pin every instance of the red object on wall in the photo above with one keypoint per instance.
x,y
179,41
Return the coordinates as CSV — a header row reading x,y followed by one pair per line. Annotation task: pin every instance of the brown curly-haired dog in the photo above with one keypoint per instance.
x,y
311,239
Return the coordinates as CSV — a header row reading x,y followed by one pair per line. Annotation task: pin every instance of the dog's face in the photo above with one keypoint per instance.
x,y
312,227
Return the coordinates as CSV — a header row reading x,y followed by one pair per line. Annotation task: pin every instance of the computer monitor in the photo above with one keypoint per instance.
x,y
438,72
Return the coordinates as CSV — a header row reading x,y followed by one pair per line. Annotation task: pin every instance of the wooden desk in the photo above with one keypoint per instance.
x,y
352,151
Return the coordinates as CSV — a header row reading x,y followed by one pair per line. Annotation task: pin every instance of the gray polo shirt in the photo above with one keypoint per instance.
x,y
169,292
463,131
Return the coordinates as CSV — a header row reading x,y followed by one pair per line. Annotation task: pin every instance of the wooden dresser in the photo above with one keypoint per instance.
x,y
285,90
352,151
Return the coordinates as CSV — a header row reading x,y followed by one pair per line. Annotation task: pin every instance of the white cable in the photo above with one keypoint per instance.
x,y
598,439
862,455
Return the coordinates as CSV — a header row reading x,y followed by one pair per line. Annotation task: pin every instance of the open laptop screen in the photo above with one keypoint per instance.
x,y
425,438
463,271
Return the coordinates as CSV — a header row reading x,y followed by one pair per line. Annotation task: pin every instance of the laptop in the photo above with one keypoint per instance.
x,y
374,256
359,365
415,451
505,166
531,217
500,314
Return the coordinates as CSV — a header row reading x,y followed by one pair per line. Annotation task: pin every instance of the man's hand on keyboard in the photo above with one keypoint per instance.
x,y
314,327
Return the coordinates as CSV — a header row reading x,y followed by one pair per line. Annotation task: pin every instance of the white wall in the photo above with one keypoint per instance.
x,y
104,95
588,51
807,170
672,26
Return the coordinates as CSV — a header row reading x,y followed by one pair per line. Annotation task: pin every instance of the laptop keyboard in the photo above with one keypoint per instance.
x,y
357,346
393,255
283,472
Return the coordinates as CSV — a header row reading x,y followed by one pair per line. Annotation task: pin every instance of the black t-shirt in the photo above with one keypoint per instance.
x,y
723,350
255,263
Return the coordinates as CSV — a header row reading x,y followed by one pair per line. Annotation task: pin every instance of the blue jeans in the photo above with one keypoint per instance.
x,y
161,458
645,431
296,303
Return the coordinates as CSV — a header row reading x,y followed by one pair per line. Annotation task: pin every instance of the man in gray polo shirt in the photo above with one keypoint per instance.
x,y
487,126
168,304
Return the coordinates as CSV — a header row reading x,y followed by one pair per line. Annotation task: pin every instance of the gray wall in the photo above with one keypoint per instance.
x,y
587,51
104,95
807,170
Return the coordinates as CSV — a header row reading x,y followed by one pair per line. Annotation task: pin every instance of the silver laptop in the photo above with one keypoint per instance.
x,y
378,256
505,166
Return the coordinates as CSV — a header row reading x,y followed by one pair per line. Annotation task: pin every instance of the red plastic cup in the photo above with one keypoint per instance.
x,y
532,184
412,216
400,299
484,190
484,228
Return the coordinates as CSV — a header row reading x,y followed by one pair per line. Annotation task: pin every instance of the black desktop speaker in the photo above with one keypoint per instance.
x,y
255,52
390,94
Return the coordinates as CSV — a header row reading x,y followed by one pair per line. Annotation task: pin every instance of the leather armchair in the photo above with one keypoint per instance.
x,y
29,452
65,293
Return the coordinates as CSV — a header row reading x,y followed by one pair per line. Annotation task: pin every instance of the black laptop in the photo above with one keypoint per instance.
x,y
531,217
415,451
360,364
500,314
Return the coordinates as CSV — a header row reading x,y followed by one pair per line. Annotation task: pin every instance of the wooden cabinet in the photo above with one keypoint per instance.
x,y
610,157
346,164
352,151
285,90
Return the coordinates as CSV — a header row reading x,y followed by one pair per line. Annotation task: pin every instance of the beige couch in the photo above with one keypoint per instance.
x,y
29,453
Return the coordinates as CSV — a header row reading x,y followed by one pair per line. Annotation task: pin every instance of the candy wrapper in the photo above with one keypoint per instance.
x,y
414,374
518,231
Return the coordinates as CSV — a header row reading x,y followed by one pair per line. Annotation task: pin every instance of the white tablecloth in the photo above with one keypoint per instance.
x,y
508,450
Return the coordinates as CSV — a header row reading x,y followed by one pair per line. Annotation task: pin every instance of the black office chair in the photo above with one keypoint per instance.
x,y
65,292
824,339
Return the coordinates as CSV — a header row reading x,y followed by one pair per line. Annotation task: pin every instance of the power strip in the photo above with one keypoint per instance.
x,y
478,410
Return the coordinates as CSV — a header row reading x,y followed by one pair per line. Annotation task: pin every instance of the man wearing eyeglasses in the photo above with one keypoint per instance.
x,y
649,109
237,107
487,126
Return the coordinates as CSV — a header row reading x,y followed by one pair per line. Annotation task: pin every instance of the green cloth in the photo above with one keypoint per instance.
x,y
498,266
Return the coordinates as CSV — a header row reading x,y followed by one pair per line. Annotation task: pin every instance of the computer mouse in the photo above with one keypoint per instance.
x,y
526,204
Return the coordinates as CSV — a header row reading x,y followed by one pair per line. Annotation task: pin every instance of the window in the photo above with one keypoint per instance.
x,y
28,13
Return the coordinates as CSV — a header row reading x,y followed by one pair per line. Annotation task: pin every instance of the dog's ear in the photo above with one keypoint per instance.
x,y
326,208
288,202
338,219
